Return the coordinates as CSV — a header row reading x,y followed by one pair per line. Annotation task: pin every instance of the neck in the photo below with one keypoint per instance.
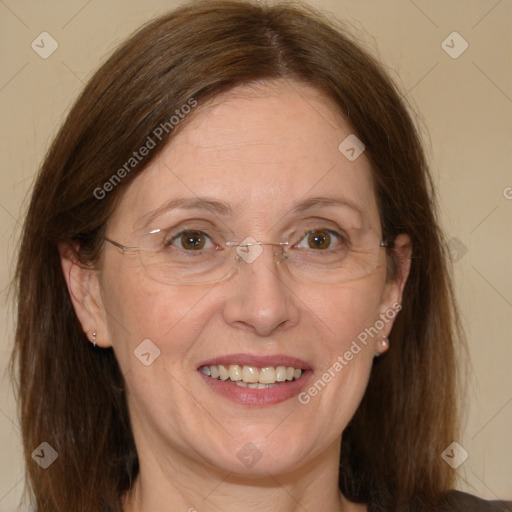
x,y
175,482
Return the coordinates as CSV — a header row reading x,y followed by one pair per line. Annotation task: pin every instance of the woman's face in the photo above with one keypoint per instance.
x,y
262,154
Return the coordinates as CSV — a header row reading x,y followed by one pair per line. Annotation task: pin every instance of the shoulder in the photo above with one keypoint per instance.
x,y
460,501
453,501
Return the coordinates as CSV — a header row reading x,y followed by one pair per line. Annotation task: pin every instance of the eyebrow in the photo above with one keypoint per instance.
x,y
188,203
224,209
316,202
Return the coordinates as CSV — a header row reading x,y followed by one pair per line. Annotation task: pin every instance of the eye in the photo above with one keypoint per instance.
x,y
191,241
319,239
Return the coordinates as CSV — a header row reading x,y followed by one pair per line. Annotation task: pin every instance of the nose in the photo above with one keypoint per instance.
x,y
262,300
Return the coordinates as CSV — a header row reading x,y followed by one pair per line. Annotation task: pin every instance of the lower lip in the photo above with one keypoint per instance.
x,y
258,397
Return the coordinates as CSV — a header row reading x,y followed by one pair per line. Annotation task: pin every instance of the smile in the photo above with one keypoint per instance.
x,y
252,376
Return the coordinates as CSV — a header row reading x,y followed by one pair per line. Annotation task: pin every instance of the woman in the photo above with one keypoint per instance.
x,y
232,287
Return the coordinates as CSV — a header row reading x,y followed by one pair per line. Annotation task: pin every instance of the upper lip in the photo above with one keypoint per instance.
x,y
257,361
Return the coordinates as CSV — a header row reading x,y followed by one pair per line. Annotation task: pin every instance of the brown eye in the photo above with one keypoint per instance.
x,y
319,240
191,240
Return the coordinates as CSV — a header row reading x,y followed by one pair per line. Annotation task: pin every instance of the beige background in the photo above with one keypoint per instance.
x,y
465,103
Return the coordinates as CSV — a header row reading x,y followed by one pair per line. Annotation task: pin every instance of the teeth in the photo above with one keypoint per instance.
x,y
281,373
251,376
235,372
268,375
257,385
223,372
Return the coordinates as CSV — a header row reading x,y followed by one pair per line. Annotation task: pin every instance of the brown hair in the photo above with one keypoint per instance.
x,y
71,394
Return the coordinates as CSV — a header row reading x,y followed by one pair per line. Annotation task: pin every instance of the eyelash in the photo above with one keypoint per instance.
x,y
339,236
169,242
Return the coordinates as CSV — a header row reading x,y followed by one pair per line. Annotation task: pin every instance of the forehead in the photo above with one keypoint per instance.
x,y
260,148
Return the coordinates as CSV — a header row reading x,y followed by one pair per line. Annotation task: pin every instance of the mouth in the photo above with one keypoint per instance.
x,y
255,380
251,376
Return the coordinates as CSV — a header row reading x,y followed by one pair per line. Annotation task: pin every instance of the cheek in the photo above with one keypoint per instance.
x,y
139,309
346,311
334,393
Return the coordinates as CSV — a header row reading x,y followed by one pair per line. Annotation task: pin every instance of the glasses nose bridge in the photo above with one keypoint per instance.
x,y
250,250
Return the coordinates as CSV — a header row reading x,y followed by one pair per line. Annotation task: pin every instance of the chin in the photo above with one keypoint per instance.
x,y
257,458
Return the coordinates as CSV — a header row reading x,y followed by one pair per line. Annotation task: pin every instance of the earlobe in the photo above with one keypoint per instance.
x,y
382,346
84,290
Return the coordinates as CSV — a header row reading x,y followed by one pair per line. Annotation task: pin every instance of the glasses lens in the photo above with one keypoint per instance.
x,y
194,257
188,257
333,259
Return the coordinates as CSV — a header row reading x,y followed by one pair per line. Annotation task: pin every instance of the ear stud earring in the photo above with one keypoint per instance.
x,y
384,346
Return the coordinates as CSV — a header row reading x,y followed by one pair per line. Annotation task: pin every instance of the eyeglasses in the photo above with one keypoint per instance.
x,y
318,256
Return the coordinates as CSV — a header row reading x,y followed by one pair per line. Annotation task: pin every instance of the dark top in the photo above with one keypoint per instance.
x,y
457,501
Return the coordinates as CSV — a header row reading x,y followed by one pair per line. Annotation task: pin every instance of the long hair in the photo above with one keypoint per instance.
x,y
71,395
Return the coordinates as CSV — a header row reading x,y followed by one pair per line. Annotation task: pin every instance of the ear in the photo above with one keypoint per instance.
x,y
391,299
85,292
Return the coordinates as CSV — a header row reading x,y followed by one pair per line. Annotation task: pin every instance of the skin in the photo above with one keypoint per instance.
x,y
258,148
